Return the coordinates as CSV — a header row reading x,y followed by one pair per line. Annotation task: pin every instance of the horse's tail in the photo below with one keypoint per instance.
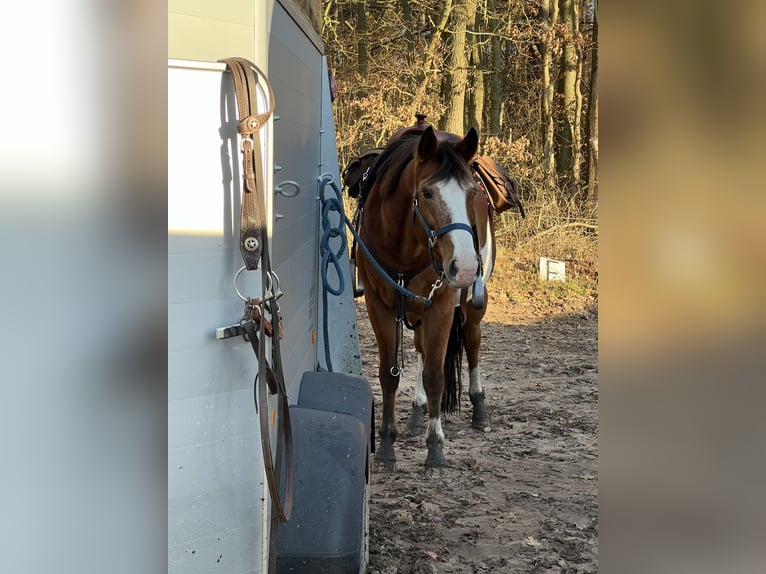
x,y
453,365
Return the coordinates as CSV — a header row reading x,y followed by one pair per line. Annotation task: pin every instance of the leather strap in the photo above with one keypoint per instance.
x,y
253,215
254,246
273,378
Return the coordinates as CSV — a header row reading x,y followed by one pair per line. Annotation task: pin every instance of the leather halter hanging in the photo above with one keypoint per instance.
x,y
254,246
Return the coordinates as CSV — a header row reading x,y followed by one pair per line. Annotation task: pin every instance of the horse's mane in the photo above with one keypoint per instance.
x,y
394,159
401,152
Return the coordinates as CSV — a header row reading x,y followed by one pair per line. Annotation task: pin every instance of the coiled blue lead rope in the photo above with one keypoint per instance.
x,y
330,257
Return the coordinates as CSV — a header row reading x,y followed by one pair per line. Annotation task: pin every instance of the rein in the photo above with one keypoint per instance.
x,y
254,246
400,289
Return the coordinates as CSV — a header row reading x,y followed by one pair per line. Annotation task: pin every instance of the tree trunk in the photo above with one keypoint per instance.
x,y
593,112
549,11
458,72
429,55
567,136
361,43
476,108
495,91
577,146
409,25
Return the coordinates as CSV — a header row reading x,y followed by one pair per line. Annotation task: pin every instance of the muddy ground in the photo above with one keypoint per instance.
x,y
520,498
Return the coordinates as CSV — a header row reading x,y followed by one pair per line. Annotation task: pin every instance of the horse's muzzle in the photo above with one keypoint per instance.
x,y
462,272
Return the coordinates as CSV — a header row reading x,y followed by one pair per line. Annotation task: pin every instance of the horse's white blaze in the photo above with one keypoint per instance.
x,y
435,428
474,376
464,253
420,392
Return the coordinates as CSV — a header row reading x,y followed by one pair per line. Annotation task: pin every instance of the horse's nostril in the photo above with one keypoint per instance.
x,y
452,269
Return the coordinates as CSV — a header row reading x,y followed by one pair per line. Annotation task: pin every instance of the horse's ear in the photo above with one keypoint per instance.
x,y
468,146
428,144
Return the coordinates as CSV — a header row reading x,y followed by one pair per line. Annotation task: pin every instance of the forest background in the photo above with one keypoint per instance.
x,y
524,73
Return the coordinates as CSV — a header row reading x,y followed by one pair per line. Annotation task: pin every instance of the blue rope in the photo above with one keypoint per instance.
x,y
370,257
330,257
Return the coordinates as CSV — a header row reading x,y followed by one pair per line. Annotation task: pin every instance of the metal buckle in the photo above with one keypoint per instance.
x,y
244,140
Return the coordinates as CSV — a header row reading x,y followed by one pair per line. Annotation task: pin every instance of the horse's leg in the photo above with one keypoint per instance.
x,y
416,424
472,344
384,326
435,335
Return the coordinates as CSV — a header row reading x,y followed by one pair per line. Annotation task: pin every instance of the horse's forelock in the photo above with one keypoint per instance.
x,y
394,160
451,166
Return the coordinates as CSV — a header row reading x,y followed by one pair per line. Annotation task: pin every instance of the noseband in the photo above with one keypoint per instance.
x,y
433,235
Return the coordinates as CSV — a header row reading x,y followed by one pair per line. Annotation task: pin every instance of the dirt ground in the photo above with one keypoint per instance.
x,y
520,498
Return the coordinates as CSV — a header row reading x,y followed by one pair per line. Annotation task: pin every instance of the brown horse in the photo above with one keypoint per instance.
x,y
427,225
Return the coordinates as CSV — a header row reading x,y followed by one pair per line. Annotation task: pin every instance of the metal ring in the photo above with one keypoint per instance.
x,y
269,286
236,276
274,283
289,182
272,279
236,288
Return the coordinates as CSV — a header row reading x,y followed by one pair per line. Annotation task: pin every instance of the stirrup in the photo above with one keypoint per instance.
x,y
478,297
356,283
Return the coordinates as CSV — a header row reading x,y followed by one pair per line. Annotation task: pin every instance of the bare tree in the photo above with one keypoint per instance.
x,y
495,69
361,28
458,71
568,155
549,12
475,110
592,124
430,54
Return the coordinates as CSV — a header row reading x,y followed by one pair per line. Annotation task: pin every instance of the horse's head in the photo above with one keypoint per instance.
x,y
443,203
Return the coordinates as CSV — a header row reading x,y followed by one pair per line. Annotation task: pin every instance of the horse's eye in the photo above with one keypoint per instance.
x,y
426,193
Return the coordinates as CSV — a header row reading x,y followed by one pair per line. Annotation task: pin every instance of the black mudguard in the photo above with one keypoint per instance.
x,y
332,443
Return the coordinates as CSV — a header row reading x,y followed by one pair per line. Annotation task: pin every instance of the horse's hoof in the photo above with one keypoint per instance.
x,y
435,457
483,424
387,465
415,428
416,425
480,420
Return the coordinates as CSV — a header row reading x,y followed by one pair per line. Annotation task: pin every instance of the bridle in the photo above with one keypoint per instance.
x,y
432,235
254,247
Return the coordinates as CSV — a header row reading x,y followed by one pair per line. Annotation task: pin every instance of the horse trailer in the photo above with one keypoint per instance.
x,y
222,498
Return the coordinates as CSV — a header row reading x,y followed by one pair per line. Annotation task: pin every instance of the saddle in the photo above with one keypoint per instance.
x,y
418,128
500,188
354,173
